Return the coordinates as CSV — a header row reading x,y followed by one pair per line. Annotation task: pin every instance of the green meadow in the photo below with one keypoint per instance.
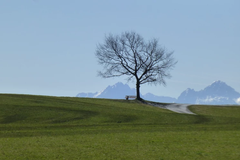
x,y
45,127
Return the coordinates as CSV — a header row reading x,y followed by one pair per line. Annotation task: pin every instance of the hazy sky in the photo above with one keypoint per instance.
x,y
47,47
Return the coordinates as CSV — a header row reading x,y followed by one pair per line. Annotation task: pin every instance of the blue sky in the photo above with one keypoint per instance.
x,y
48,46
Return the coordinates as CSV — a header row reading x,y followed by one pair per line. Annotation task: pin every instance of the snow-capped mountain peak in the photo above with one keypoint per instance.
x,y
216,93
120,90
218,84
220,89
116,91
118,84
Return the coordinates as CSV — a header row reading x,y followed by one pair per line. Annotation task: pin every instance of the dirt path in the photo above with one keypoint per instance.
x,y
179,108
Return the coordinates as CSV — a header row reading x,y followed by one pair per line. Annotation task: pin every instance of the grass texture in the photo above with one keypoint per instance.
x,y
44,127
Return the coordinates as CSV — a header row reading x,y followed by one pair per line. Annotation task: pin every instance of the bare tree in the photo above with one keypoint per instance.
x,y
128,54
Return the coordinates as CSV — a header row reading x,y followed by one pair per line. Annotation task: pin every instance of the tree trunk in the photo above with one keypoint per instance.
x,y
138,90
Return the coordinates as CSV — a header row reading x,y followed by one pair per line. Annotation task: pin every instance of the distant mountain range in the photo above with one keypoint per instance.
x,y
216,93
120,90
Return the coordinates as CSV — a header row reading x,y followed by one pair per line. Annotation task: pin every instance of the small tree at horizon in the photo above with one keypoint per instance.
x,y
128,54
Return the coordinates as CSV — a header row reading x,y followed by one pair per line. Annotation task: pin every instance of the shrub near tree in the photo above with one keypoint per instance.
x,y
129,54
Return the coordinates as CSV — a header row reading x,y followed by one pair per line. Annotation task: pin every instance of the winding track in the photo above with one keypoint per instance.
x,y
179,108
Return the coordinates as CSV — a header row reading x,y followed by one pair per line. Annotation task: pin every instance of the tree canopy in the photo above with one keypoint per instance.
x,y
129,54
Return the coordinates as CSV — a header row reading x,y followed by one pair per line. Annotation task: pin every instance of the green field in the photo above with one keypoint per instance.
x,y
44,127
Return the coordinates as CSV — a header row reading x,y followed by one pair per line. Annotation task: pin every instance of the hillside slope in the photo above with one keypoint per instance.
x,y
41,127
44,110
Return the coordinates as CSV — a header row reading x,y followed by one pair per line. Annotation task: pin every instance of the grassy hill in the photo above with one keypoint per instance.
x,y
44,127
